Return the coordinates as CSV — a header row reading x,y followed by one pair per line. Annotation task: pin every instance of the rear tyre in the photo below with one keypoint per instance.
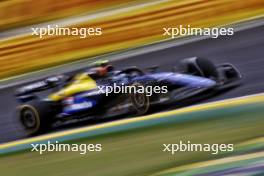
x,y
36,117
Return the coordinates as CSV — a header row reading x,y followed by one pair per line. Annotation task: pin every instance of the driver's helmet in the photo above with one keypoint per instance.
x,y
101,69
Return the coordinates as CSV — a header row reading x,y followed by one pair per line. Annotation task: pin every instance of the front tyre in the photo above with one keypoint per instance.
x,y
35,116
208,68
201,67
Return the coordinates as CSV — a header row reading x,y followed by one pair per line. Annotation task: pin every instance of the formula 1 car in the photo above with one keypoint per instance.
x,y
87,95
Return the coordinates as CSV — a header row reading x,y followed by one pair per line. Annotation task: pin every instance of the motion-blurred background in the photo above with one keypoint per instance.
x,y
127,24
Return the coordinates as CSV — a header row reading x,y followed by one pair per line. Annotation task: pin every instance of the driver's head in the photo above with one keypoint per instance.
x,y
104,69
101,70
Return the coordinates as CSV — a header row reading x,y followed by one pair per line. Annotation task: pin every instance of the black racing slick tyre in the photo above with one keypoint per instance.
x,y
140,101
200,67
208,68
36,117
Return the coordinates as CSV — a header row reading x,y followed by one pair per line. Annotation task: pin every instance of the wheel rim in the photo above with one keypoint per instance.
x,y
28,118
140,101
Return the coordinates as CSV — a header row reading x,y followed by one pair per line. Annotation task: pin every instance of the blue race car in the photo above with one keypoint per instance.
x,y
102,91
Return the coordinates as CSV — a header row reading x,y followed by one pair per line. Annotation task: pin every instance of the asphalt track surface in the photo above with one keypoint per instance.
x,y
245,50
